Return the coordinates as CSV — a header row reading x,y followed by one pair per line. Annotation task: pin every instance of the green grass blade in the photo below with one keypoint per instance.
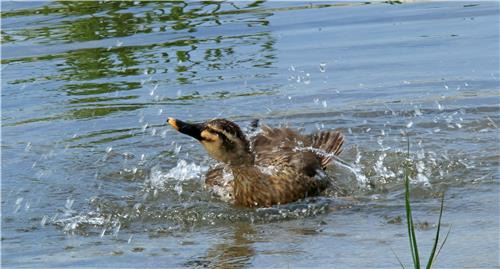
x,y
442,244
400,263
432,256
411,226
409,217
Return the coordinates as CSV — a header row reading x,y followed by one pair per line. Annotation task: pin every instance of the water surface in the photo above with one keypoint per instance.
x,y
92,176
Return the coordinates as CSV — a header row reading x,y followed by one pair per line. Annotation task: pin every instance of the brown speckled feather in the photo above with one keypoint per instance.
x,y
285,168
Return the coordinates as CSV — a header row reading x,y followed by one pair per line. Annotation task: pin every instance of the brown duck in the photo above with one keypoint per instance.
x,y
277,166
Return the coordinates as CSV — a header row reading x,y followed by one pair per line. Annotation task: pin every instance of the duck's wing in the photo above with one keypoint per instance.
x,y
280,147
328,143
284,144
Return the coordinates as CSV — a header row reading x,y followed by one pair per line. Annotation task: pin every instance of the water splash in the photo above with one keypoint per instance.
x,y
181,172
94,219
382,171
224,191
353,169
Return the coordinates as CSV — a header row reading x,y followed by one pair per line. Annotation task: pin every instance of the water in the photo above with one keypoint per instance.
x,y
92,176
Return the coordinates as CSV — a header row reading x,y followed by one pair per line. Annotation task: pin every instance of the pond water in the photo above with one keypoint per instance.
x,y
92,176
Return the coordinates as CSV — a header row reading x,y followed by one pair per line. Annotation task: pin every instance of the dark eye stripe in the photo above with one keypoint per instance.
x,y
220,134
228,142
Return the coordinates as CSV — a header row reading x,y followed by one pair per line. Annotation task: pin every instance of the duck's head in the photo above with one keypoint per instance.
x,y
221,138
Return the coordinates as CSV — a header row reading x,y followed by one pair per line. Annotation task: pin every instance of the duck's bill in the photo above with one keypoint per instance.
x,y
191,129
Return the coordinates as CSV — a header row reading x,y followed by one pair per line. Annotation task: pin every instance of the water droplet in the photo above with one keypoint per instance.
x,y
44,220
307,79
322,67
69,203
18,204
28,147
380,140
491,122
117,230
177,149
440,107
178,188
418,112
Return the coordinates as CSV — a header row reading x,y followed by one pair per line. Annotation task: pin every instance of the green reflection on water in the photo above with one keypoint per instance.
x,y
99,111
100,88
98,74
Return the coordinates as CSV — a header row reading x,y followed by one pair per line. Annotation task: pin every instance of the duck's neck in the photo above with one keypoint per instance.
x,y
243,159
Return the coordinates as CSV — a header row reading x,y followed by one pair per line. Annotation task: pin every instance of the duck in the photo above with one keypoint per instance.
x,y
273,167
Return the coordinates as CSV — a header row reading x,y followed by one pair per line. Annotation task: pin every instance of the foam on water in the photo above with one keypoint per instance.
x,y
94,219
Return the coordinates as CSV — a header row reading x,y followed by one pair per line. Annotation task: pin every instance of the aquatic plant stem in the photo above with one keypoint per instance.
x,y
409,217
442,244
432,256
411,227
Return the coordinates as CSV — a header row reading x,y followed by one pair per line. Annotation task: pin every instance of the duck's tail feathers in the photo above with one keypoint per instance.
x,y
328,142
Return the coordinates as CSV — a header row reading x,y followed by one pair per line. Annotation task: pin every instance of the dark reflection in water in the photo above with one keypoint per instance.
x,y
99,88
122,18
104,77
236,251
